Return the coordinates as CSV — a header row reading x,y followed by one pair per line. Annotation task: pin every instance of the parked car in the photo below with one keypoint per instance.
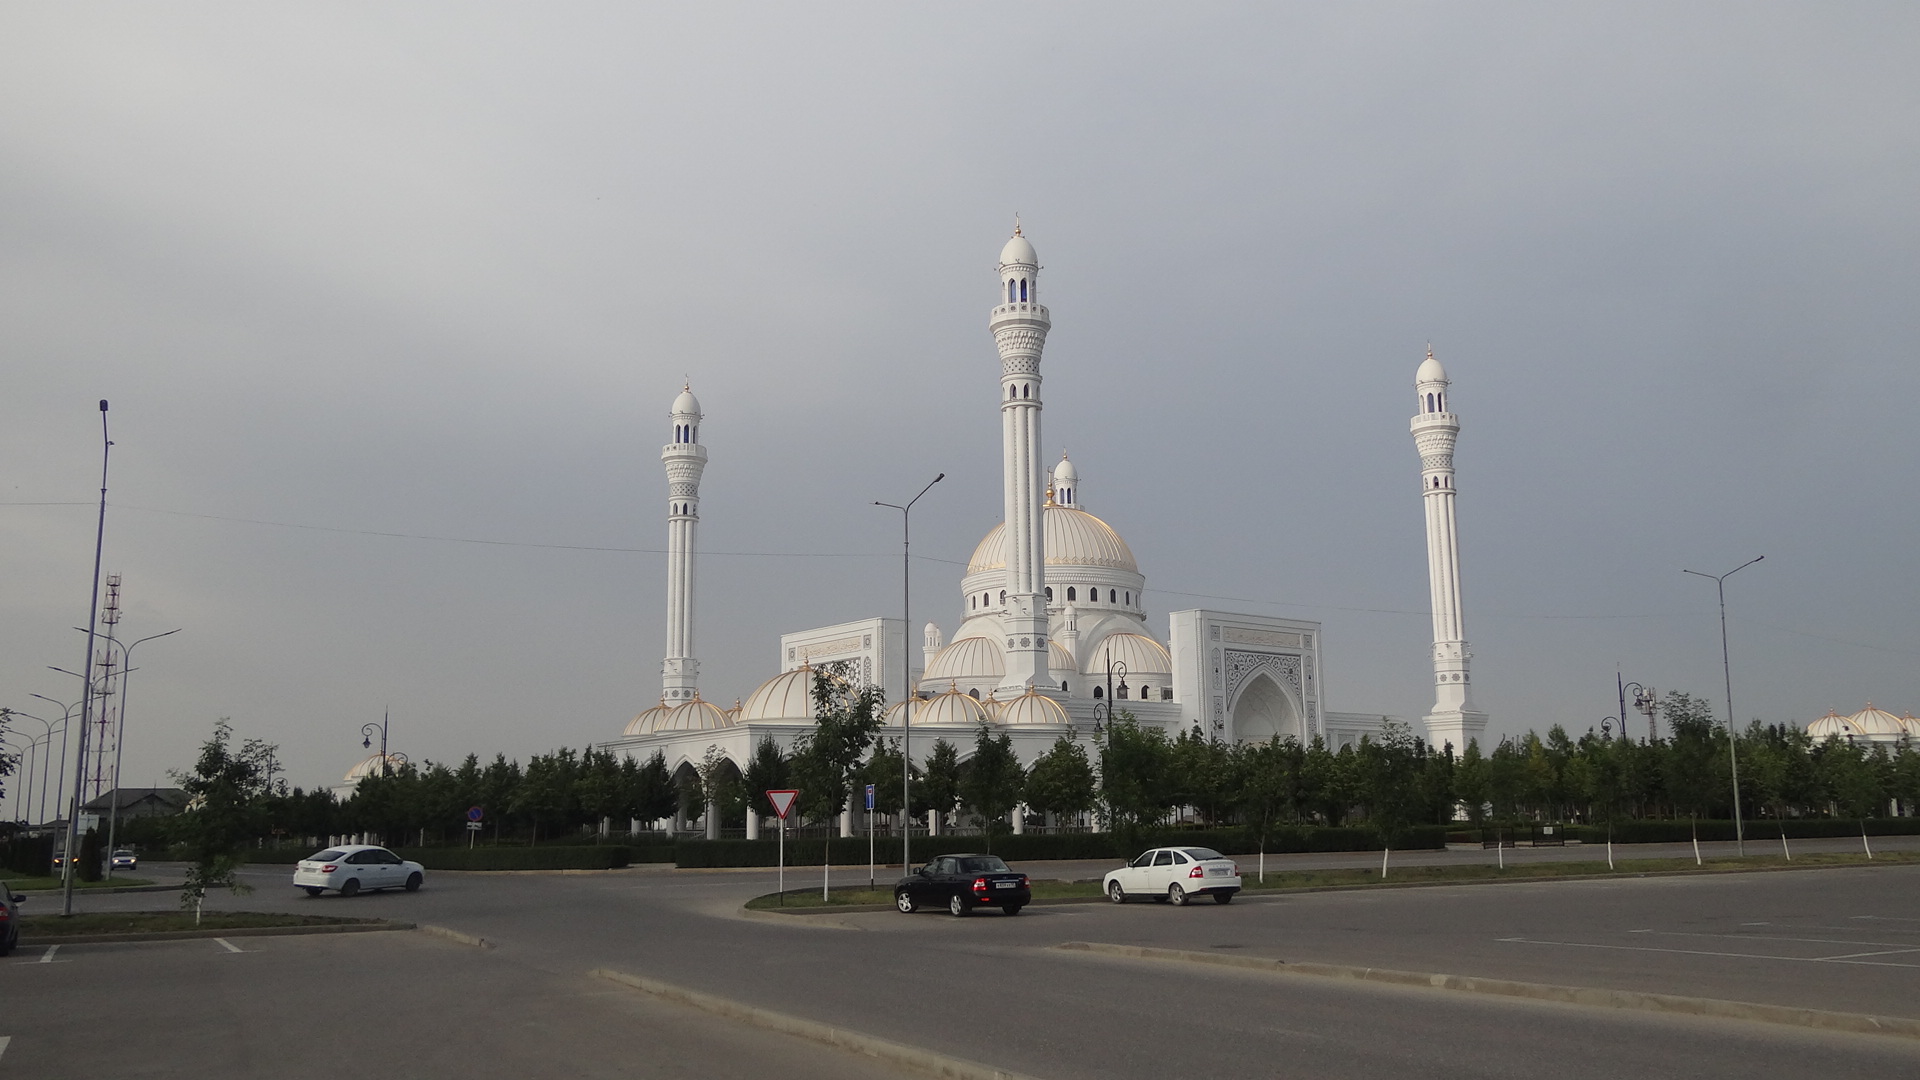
x,y
961,883
357,868
1175,875
124,860
10,902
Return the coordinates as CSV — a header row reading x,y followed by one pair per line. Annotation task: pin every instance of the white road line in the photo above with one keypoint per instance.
x,y
231,947
47,957
4,1040
1777,937
1704,952
1887,952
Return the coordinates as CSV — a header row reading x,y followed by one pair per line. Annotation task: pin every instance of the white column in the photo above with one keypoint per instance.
x,y
1020,324
1436,430
685,459
753,825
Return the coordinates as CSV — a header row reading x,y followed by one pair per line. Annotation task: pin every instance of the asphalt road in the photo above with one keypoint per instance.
x,y
987,987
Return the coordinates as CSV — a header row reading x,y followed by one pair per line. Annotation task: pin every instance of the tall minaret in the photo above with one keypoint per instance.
x,y
685,459
1453,719
1020,324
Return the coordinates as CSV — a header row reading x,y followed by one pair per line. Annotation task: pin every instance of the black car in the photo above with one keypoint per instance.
x,y
9,918
962,883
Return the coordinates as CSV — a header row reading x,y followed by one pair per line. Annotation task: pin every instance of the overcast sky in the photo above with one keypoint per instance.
x,y
369,284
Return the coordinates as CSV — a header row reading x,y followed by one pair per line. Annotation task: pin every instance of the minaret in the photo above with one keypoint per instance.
x,y
1453,719
1020,324
1066,484
685,459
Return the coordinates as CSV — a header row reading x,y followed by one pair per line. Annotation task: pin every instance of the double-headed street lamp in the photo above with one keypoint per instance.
x,y
1726,667
366,740
120,737
43,759
1103,719
1643,703
906,669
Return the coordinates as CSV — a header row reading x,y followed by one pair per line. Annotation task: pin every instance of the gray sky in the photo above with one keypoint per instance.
x,y
439,269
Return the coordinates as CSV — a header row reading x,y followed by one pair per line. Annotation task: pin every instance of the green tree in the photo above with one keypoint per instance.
x,y
223,790
941,786
1061,781
1136,774
1471,782
766,771
885,769
1270,787
992,780
1204,775
847,718
652,796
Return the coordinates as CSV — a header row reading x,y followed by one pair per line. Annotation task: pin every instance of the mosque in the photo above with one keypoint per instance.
x,y
1053,633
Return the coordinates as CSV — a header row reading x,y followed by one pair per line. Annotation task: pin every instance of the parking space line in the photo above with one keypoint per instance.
x,y
1706,952
4,1040
1854,956
230,946
1777,937
47,957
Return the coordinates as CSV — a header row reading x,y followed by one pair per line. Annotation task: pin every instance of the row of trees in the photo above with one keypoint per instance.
x,y
1131,776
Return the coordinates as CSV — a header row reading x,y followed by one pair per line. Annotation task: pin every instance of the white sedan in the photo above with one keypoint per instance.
x,y
357,868
1176,875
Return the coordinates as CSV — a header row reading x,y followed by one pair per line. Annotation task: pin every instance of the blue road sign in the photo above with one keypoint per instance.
x,y
474,814
869,796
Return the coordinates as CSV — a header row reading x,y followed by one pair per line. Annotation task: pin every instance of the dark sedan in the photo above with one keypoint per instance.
x,y
961,883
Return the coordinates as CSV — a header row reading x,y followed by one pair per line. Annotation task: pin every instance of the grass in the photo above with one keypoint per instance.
x,y
1362,877
28,884
38,927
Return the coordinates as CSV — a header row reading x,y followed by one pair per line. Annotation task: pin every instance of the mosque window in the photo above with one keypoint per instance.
x,y
1025,390
1430,407
1071,595
974,693
1003,596
1443,402
1010,292
1049,594
1112,597
973,603
1129,599
1097,691
1023,288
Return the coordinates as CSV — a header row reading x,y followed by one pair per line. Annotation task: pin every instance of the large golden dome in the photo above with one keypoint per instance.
x,y
1073,538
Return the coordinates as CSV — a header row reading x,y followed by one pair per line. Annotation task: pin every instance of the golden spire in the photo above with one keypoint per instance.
x,y
1016,223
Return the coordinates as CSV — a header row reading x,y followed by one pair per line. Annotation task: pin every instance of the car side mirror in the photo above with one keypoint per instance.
x,y
19,898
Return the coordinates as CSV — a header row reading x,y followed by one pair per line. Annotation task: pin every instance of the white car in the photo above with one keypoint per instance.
x,y
357,868
1176,875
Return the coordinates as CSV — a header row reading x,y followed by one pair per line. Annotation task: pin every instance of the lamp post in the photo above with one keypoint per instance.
x,y
906,670
60,777
44,759
30,748
1726,667
1103,712
1606,728
86,700
366,739
120,740
1643,703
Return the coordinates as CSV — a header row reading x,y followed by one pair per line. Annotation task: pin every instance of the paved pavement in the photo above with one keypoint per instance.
x,y
987,988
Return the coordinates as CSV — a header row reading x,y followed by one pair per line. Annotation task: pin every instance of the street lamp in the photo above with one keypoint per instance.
x,y
1103,719
30,748
366,740
1606,728
120,739
906,669
1644,703
60,780
1726,667
44,759
86,699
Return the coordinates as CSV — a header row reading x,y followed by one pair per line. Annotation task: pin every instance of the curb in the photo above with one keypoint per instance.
x,y
238,931
1857,1023
893,1053
108,891
455,936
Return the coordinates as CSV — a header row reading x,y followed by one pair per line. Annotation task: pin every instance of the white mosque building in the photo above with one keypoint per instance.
x,y
1052,628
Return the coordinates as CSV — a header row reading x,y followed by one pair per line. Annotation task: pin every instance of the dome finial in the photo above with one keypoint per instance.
x,y
1016,223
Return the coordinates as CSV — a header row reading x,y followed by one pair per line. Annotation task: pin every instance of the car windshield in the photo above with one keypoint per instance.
x,y
122,851
1202,854
983,864
326,856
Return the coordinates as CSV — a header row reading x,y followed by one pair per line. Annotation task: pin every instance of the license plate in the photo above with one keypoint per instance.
x,y
1003,884
1217,871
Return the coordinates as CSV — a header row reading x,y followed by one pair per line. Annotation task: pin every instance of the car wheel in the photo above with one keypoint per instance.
x,y
1012,909
1176,895
1115,893
905,902
351,888
1223,898
313,890
413,881
957,905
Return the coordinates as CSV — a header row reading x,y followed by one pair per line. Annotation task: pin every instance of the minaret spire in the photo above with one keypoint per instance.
x,y
1435,430
1020,324
685,459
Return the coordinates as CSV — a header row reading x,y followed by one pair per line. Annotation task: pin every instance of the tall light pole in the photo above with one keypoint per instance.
x,y
366,739
60,777
30,747
120,740
906,670
1726,667
43,759
86,700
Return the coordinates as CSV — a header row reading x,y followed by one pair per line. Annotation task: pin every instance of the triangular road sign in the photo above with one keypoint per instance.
x,y
782,801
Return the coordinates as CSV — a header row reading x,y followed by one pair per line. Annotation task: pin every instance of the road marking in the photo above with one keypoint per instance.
x,y
4,1040
1887,952
47,957
1706,952
231,947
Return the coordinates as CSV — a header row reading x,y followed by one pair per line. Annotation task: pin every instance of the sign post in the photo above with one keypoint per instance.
x,y
474,814
870,885
782,801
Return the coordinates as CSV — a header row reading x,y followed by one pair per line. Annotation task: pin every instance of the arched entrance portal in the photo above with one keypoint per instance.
x,y
1262,711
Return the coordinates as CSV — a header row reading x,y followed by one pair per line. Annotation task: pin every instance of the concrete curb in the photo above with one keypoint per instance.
x,y
1858,1023
912,1057
109,890
237,931
454,936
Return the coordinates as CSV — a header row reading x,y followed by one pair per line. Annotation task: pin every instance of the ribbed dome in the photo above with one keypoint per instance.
x,y
1911,725
1871,722
1142,655
695,715
371,767
970,658
649,719
1032,708
786,696
1073,538
1058,658
1019,250
1831,724
951,708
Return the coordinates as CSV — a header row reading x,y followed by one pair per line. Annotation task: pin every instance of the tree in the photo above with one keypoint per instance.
x,y
1470,782
941,786
1269,785
885,769
992,780
1136,775
1204,775
652,795
846,720
222,789
1061,782
766,771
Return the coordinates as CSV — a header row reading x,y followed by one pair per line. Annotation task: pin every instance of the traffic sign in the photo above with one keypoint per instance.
x,y
782,801
474,813
869,796
474,826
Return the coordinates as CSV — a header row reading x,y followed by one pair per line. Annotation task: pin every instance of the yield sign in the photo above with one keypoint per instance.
x,y
782,801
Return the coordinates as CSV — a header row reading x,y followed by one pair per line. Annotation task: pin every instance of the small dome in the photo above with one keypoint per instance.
x,y
970,658
1058,658
648,720
1032,708
1430,370
1873,723
787,696
1019,250
1831,724
1072,537
1065,473
1146,659
695,715
1911,726
951,709
686,404
371,766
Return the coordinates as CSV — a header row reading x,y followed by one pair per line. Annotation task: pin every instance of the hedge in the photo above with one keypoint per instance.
x,y
849,851
537,857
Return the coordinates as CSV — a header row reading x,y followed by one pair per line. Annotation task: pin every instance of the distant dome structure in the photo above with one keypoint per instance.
x,y
649,719
1831,724
695,715
1032,708
1911,726
1142,655
949,709
967,659
1018,251
1074,538
1868,725
371,766
787,697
